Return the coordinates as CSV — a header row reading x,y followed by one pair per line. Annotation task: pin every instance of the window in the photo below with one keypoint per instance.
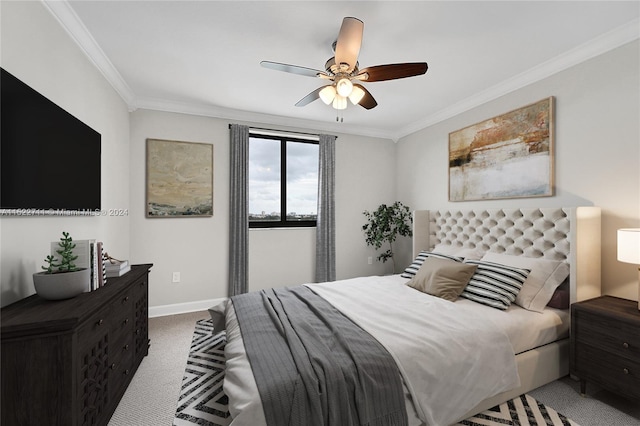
x,y
283,181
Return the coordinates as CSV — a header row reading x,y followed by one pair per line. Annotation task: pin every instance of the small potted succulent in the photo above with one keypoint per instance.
x,y
61,278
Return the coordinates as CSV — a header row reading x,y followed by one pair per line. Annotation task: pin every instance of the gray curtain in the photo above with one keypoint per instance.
x,y
238,216
325,229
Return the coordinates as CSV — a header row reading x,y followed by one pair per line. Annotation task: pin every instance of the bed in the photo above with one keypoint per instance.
x,y
456,355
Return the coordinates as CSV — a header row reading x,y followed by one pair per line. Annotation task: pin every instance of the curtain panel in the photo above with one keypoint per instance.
x,y
238,210
325,227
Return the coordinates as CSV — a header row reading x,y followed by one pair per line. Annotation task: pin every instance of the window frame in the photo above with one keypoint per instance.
x,y
283,222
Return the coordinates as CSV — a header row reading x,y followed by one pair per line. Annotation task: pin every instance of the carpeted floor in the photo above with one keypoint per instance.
x,y
203,402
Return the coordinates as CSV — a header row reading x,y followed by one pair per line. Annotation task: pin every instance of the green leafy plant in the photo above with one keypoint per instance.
x,y
67,257
384,225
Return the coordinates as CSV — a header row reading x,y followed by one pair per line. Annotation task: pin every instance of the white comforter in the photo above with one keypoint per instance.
x,y
449,358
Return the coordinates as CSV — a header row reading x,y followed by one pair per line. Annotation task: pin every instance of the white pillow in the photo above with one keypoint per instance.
x,y
546,275
470,253
466,253
446,249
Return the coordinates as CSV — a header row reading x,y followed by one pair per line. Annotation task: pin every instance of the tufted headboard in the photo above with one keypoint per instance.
x,y
569,234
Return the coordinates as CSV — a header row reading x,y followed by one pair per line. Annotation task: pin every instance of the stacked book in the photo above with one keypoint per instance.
x,y
90,255
117,268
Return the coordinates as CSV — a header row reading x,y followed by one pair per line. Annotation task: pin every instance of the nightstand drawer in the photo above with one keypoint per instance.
x,y
618,374
606,333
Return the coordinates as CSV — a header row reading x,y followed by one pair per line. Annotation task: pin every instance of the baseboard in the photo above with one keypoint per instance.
x,y
183,308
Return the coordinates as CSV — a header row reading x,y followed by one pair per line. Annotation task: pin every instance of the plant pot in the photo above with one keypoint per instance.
x,y
62,285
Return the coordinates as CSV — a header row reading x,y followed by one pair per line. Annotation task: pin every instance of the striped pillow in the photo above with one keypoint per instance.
x,y
411,270
494,284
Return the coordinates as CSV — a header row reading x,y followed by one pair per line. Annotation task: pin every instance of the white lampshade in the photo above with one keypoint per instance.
x,y
327,94
356,95
629,245
340,102
344,86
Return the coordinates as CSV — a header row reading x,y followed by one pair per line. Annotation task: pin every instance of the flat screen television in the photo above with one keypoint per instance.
x,y
49,160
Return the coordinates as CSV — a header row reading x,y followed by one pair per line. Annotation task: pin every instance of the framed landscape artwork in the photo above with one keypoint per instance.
x,y
179,179
508,156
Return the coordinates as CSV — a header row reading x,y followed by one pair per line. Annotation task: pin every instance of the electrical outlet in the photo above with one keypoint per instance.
x,y
370,260
176,277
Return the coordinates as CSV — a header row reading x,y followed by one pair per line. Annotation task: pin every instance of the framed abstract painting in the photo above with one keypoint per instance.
x,y
179,179
508,156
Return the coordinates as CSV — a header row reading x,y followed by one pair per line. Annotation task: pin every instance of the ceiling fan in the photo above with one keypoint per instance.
x,y
343,72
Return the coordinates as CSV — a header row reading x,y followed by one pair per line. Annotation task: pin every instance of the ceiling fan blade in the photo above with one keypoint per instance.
x,y
310,97
349,42
294,69
367,101
393,71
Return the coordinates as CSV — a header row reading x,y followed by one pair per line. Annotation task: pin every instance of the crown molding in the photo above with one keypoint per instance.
x,y
70,21
602,44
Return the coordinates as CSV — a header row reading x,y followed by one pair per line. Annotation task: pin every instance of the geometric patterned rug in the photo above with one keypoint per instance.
x,y
523,410
203,401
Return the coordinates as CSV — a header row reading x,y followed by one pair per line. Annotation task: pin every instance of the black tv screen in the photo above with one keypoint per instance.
x,y
50,160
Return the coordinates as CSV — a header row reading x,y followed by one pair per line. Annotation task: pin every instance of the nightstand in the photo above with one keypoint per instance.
x,y
605,344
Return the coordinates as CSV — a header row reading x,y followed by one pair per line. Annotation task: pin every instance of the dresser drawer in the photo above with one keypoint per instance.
x,y
621,375
603,332
121,366
94,329
122,317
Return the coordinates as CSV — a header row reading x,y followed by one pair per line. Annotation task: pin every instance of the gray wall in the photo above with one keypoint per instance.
x,y
597,152
597,158
39,52
198,247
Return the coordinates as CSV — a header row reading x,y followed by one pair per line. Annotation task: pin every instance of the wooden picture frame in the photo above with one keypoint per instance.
x,y
179,179
508,156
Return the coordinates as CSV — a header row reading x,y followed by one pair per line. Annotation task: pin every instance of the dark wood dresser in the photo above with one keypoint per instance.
x,y
69,362
605,344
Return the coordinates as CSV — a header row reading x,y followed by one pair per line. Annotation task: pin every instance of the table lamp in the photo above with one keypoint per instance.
x,y
629,249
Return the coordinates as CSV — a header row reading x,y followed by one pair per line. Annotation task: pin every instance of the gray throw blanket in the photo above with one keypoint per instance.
x,y
314,366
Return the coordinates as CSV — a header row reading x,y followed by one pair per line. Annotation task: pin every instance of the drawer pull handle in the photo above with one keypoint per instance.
x,y
126,321
126,372
625,345
625,370
125,348
113,366
138,331
100,322
126,299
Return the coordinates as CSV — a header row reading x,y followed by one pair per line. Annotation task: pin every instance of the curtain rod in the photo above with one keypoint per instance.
x,y
283,131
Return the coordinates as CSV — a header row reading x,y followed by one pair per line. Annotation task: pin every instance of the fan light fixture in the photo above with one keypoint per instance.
x,y
340,102
327,94
344,74
356,95
331,95
344,86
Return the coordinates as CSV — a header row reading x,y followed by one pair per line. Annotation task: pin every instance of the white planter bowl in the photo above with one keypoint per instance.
x,y
62,285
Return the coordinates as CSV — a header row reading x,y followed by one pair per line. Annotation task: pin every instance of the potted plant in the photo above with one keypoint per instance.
x,y
61,278
383,227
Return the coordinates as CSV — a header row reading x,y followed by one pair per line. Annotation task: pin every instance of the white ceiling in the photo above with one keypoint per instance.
x,y
203,57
